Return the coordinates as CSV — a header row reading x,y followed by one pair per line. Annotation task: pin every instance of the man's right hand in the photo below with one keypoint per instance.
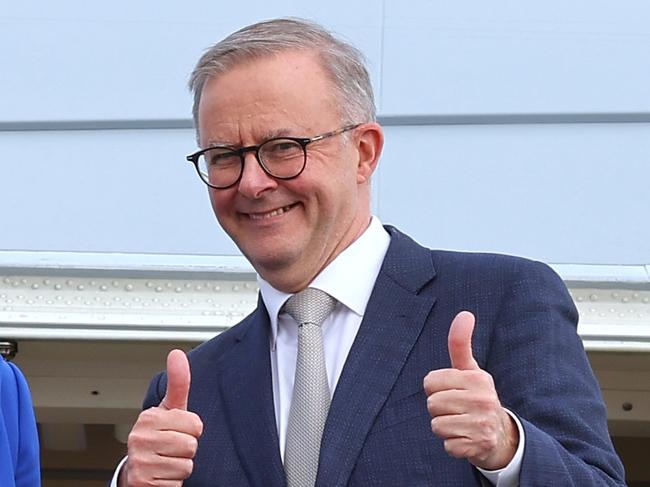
x,y
164,439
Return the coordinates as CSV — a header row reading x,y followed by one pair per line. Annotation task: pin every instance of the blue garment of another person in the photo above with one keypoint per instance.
x,y
19,454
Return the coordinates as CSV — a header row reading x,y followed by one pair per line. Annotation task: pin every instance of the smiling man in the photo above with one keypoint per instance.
x,y
369,360
292,228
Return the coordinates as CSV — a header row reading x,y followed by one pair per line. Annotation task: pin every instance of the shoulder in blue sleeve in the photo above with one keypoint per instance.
x,y
19,451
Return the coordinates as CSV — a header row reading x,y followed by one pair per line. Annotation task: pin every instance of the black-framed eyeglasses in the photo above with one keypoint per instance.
x,y
221,167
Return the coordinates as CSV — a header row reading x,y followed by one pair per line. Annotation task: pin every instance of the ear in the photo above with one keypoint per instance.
x,y
370,141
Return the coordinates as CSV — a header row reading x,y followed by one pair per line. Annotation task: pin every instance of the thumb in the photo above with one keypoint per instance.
x,y
460,342
178,381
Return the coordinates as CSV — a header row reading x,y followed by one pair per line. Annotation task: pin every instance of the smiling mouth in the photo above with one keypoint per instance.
x,y
271,214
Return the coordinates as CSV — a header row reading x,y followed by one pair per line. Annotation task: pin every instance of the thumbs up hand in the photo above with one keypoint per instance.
x,y
464,405
164,439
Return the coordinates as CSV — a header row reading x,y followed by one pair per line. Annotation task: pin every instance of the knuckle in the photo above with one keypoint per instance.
x,y
197,424
136,439
453,449
427,382
431,403
487,444
136,464
435,425
487,403
191,446
186,468
484,425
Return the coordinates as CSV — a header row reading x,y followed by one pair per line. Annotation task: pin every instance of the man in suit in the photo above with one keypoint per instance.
x,y
444,368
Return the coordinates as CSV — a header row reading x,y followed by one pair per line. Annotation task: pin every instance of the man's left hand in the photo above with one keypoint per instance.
x,y
465,407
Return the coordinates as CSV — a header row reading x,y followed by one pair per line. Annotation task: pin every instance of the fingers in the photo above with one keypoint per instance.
x,y
453,379
485,443
175,445
460,402
162,446
460,342
178,381
160,419
158,471
481,430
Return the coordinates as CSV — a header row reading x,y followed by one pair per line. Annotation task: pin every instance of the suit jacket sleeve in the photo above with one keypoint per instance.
x,y
541,373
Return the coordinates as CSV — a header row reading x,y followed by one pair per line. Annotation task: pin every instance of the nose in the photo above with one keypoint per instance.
x,y
254,181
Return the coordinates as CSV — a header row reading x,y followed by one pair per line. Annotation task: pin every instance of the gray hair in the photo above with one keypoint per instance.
x,y
342,62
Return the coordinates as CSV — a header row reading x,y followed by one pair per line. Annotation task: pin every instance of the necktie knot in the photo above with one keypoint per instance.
x,y
310,306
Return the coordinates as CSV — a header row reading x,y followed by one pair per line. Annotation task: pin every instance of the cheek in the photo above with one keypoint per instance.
x,y
220,203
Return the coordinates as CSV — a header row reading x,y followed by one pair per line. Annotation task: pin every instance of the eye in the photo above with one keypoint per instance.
x,y
219,158
278,150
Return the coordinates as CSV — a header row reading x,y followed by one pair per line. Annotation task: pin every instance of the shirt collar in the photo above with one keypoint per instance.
x,y
349,278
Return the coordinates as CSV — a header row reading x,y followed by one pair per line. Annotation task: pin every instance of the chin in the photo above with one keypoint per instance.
x,y
271,260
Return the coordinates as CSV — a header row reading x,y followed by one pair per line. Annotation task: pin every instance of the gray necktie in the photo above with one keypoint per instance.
x,y
311,393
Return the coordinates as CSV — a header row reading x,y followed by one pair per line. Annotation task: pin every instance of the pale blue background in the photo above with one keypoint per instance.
x,y
518,127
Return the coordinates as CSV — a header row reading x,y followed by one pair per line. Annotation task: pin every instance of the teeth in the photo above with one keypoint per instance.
x,y
270,214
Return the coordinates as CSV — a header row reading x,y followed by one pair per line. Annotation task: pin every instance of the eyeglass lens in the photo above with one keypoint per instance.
x,y
282,158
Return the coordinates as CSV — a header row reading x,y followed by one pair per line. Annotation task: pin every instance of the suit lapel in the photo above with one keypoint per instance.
x,y
247,391
394,318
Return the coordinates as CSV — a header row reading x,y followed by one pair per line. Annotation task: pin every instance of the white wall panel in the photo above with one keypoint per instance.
x,y
74,60
574,193
558,192
502,57
113,190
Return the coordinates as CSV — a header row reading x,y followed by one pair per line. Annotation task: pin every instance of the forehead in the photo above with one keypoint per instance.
x,y
285,92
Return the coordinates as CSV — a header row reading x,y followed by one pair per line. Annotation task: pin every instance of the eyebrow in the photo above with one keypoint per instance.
x,y
269,134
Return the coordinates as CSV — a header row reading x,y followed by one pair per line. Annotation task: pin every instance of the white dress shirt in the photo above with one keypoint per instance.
x,y
349,279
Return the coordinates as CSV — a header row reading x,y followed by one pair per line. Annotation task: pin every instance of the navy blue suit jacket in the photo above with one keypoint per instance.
x,y
378,428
